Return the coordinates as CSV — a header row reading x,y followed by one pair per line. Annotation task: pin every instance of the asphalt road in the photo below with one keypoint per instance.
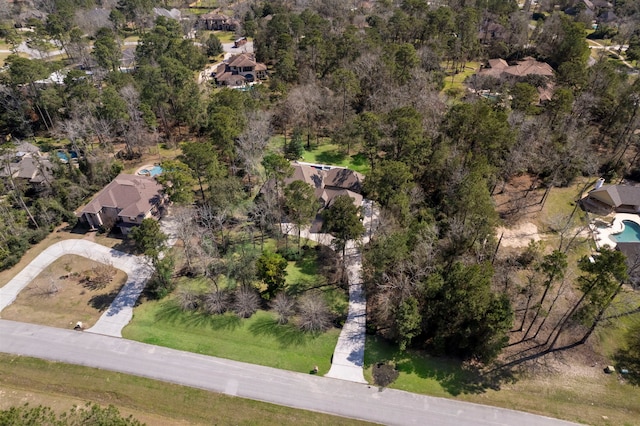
x,y
251,381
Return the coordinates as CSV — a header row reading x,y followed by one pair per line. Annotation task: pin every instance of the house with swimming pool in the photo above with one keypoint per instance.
x,y
124,203
622,231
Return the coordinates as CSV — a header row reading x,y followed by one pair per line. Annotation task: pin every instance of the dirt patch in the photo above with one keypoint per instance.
x,y
71,289
518,236
519,198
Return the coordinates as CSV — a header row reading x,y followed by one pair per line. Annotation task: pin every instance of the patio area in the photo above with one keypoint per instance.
x,y
603,231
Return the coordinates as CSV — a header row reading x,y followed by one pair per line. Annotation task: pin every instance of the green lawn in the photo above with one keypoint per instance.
x,y
225,36
587,396
257,340
455,82
60,386
419,372
327,153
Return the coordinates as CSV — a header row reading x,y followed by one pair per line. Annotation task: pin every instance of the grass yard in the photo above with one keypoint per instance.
x,y
60,386
257,340
455,82
584,394
327,153
561,202
61,295
226,36
3,57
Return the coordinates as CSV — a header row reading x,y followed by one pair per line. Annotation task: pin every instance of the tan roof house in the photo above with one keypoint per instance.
x,y
124,202
216,21
499,68
329,183
240,69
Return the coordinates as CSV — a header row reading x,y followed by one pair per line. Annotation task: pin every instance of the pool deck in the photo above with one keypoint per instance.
x,y
145,167
603,235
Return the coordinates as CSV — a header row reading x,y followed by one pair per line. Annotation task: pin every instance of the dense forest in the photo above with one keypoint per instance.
x,y
375,78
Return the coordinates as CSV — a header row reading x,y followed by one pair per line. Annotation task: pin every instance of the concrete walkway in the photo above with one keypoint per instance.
x,y
347,361
121,310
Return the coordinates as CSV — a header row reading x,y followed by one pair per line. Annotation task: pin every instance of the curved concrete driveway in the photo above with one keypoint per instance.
x,y
288,388
120,312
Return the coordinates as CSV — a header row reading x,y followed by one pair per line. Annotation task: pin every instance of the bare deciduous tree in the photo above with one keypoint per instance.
x,y
187,299
314,315
216,302
284,306
187,231
102,274
246,301
253,141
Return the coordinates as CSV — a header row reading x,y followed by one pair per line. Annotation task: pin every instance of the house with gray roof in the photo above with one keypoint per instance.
x,y
613,198
125,202
632,253
328,182
26,162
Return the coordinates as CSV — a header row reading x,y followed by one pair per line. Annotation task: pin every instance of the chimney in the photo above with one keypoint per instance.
x,y
599,183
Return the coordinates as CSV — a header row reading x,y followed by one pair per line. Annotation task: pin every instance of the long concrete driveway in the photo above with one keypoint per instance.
x,y
121,310
287,388
347,361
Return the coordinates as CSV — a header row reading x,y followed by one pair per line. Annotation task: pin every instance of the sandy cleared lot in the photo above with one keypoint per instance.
x,y
71,289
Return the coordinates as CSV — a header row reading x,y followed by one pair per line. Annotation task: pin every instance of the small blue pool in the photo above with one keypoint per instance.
x,y
630,233
154,171
64,157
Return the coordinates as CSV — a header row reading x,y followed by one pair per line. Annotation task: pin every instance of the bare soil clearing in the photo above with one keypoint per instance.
x,y
71,289
519,236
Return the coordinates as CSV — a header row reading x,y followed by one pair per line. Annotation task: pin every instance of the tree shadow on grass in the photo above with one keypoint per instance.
x,y
359,160
101,302
625,359
286,334
308,264
453,375
331,157
169,312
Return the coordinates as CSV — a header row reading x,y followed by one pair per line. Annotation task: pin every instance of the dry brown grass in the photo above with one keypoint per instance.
x,y
59,386
66,292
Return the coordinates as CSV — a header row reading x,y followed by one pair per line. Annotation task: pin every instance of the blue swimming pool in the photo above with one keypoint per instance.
x,y
630,233
64,156
154,171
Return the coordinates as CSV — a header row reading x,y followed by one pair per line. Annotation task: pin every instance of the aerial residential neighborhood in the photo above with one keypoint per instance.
x,y
328,212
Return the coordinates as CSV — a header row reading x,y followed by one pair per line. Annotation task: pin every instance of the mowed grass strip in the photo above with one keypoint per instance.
x,y
580,394
60,386
257,340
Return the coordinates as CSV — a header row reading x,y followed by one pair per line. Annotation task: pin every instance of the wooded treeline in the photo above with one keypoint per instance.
x,y
369,77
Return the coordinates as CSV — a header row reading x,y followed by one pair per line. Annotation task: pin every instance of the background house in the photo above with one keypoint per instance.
x,y
240,69
26,162
125,202
216,21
